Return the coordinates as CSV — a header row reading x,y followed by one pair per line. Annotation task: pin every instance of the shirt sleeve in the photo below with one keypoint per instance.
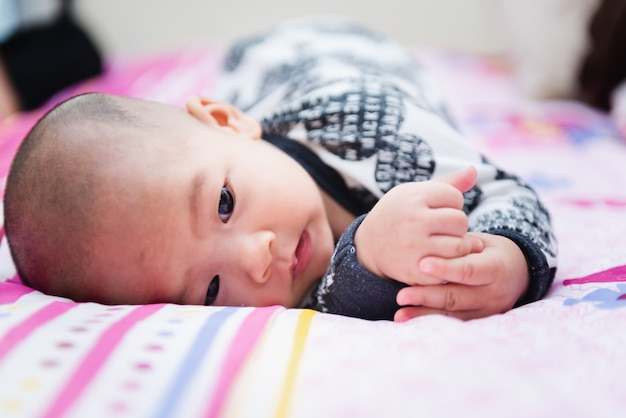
x,y
351,290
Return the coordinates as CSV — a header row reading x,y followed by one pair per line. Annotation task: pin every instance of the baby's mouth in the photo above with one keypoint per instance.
x,y
302,255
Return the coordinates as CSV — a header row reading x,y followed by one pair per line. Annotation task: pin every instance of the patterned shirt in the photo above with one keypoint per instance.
x,y
362,116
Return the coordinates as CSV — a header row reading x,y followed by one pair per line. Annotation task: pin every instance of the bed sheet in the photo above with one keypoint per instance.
x,y
561,356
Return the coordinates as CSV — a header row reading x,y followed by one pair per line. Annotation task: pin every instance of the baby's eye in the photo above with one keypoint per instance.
x,y
212,291
226,205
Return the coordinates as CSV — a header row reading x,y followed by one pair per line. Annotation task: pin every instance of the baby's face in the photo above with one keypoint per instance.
x,y
222,220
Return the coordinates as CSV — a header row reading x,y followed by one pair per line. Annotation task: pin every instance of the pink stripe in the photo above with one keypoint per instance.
x,y
615,274
94,360
11,292
21,331
16,279
245,340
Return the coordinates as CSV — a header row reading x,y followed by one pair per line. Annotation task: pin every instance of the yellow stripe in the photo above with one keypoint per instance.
x,y
302,330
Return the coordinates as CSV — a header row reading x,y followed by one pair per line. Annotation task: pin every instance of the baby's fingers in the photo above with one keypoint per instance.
x,y
446,246
462,180
471,270
445,299
443,246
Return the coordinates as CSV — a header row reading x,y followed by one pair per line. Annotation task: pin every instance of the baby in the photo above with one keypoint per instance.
x,y
341,185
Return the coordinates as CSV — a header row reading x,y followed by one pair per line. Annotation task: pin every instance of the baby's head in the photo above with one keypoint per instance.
x,y
124,201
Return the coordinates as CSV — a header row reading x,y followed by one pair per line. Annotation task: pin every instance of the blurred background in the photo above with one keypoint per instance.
x,y
48,44
132,25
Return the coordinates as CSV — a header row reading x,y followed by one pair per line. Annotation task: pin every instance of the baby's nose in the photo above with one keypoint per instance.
x,y
256,255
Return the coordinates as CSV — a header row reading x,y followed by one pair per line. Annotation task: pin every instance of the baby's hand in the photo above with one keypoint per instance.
x,y
413,221
478,284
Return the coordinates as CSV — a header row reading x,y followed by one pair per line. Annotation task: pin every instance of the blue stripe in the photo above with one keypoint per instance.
x,y
194,357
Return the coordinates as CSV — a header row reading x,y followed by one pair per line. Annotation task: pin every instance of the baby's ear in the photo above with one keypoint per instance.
x,y
223,115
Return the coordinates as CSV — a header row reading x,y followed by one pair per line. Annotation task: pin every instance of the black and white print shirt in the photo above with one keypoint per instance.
x,y
362,116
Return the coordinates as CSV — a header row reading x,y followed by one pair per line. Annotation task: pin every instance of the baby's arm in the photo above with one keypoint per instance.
x,y
434,270
417,234
515,267
411,221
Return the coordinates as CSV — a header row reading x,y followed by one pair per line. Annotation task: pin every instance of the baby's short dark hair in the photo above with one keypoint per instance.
x,y
51,192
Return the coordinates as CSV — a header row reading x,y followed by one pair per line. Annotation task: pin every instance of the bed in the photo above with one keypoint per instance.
x,y
561,356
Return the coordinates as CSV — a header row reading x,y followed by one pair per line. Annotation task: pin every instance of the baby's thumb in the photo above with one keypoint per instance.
x,y
462,180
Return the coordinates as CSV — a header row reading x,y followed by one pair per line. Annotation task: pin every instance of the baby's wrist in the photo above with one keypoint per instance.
x,y
363,253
